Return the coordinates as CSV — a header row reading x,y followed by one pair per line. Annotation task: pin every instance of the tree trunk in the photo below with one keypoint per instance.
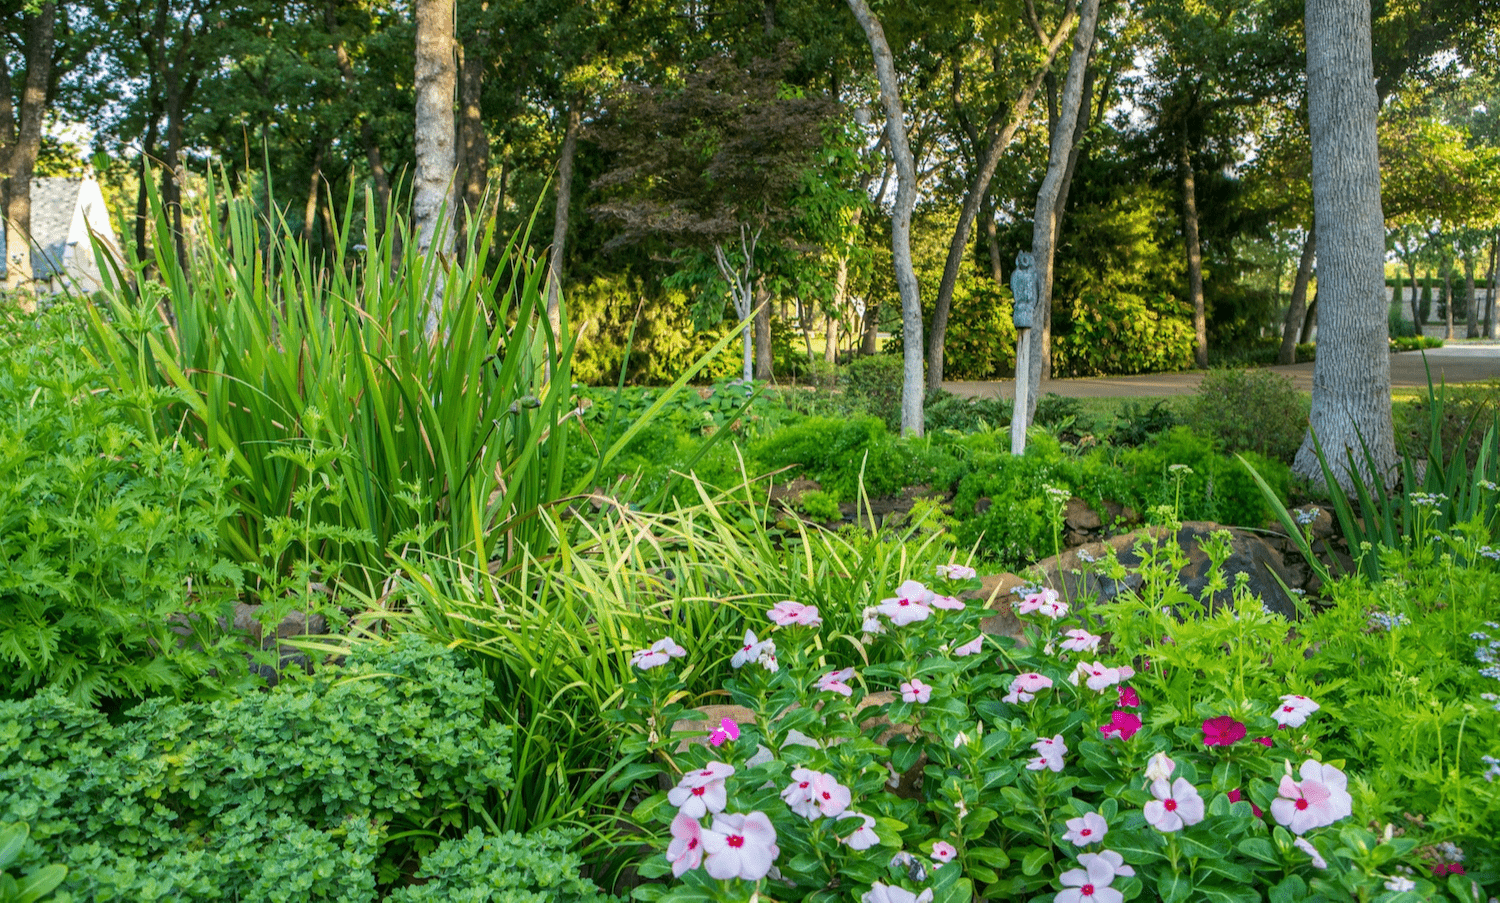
x,y
869,340
1471,308
1491,322
432,190
1416,313
992,243
1351,397
1085,115
1194,252
555,260
310,209
906,198
22,152
1309,321
1288,352
763,358
1448,334
1044,224
978,189
368,141
473,143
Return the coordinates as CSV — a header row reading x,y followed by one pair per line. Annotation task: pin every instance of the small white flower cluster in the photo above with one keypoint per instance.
x,y
1427,499
1388,621
1308,515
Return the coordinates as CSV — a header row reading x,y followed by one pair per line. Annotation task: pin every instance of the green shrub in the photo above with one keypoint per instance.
x,y
1250,410
836,451
873,384
1135,424
316,790
819,505
1463,415
946,411
510,868
1215,487
108,534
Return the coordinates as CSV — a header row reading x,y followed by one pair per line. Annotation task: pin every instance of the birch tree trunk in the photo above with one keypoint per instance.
x,y
1194,252
432,189
906,199
1294,313
1471,308
560,219
1351,396
1044,224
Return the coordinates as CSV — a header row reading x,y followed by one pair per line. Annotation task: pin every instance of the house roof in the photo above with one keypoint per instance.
x,y
53,201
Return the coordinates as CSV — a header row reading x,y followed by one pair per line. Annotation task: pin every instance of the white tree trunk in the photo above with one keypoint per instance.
x,y
1044,225
1351,396
906,199
436,127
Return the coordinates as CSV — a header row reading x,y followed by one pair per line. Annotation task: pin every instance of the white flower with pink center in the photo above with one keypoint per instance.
x,y
799,793
740,846
1086,829
686,849
1032,602
948,603
885,893
1111,858
912,603
1079,640
1319,799
944,852
1024,687
661,652
1050,752
787,613
1160,767
751,650
829,796
1294,710
1099,676
972,647
915,691
1176,806
956,571
701,792
837,682
1090,884
864,836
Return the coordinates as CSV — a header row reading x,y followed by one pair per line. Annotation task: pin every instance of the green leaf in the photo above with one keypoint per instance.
x,y
960,891
1292,889
39,883
1259,848
1463,888
1174,888
1033,859
989,856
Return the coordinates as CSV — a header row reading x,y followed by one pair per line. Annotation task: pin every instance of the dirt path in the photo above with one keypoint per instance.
x,y
1456,362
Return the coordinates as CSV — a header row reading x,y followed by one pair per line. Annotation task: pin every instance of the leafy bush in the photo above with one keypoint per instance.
x,y
872,383
1136,424
819,505
836,452
509,868
1123,333
1212,487
1250,410
946,411
317,790
110,535
1452,417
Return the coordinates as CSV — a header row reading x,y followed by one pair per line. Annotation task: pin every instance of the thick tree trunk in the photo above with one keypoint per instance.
x,y
1194,253
1309,321
473,143
22,151
978,189
869,340
1471,308
1416,313
310,209
1085,115
1289,329
555,260
1044,223
1351,397
763,358
992,243
1491,322
906,198
432,190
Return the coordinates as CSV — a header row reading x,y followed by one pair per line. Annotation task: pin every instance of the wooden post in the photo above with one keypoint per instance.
x,y
1023,387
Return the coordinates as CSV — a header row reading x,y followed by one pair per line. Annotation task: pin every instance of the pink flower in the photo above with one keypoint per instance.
x,y
788,613
1306,846
1222,731
1086,829
1053,609
864,836
956,572
948,603
1294,710
1319,799
1446,868
944,852
660,653
831,797
686,849
1160,767
1098,676
1127,697
884,893
1264,741
972,647
915,691
1050,752
1025,687
1176,806
799,793
750,651
1080,641
837,682
726,731
1035,601
1111,858
1235,796
701,792
912,603
740,846
1090,884
1122,725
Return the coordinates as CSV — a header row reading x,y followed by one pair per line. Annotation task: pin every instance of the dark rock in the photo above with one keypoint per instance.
x,y
1080,518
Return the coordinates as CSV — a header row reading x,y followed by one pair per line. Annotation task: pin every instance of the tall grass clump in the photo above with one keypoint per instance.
x,y
350,429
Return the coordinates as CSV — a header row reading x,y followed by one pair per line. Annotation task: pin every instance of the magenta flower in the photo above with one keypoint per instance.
x,y
1086,829
740,846
1294,710
686,849
661,652
1222,731
972,647
1127,697
837,682
915,691
944,852
864,836
1235,796
1090,884
1122,725
948,603
726,731
956,572
1264,741
787,613
1176,806
1319,799
1080,641
701,792
912,603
